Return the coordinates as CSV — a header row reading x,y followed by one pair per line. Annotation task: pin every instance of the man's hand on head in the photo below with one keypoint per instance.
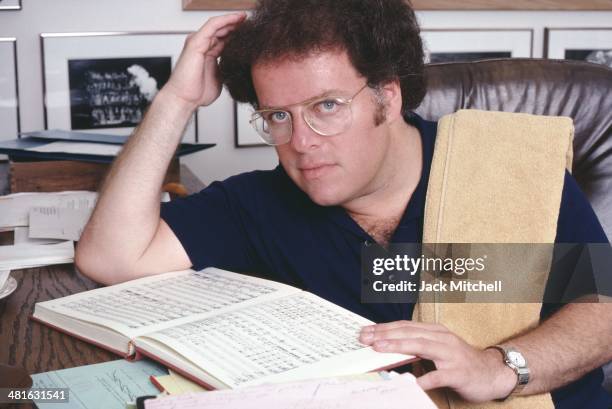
x,y
476,375
195,78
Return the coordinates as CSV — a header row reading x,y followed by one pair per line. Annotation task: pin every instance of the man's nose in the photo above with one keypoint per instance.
x,y
303,138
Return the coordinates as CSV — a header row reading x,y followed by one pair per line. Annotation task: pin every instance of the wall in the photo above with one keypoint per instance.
x,y
216,121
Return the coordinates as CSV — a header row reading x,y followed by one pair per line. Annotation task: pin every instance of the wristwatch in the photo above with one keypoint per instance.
x,y
517,362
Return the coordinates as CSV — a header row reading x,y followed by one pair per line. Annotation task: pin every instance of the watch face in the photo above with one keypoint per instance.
x,y
516,359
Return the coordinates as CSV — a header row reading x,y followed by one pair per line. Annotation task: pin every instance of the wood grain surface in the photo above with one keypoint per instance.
x,y
35,347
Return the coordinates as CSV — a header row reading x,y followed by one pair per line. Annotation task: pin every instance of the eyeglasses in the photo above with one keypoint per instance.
x,y
327,116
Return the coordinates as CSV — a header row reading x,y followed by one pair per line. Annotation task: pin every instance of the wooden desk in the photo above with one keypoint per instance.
x,y
35,347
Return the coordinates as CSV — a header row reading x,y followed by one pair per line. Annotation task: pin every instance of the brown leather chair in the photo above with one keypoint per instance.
x,y
579,90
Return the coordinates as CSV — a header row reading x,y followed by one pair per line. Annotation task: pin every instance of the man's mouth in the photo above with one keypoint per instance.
x,y
315,171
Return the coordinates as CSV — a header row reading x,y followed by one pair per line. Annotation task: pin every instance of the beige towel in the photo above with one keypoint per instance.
x,y
495,178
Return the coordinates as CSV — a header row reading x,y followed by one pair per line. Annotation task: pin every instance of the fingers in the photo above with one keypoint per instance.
x,y
421,347
218,26
405,332
405,323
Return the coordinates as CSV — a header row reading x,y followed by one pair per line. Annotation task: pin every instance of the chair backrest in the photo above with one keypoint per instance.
x,y
582,91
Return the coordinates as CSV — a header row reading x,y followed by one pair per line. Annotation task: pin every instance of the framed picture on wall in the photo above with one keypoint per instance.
x,y
10,5
245,134
9,95
443,45
104,82
581,44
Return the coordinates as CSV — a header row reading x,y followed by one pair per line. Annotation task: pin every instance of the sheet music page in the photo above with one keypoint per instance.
x,y
249,345
85,148
153,303
14,209
398,393
57,222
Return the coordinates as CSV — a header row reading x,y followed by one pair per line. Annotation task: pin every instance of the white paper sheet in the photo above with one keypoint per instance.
x,y
31,255
58,222
14,209
64,223
21,236
85,148
4,275
398,393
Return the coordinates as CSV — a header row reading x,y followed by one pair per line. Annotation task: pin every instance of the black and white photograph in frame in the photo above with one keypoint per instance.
x,y
114,92
10,5
245,134
592,45
104,82
9,96
454,45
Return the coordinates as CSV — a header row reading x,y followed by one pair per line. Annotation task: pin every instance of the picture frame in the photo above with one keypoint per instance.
x,y
9,90
245,136
10,5
580,44
434,4
103,82
446,45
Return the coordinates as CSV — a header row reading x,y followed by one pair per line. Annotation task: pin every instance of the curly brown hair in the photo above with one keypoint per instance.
x,y
381,38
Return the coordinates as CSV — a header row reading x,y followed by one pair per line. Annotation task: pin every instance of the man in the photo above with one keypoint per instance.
x,y
333,83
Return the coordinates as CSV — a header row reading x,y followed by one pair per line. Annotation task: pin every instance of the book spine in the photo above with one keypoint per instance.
x,y
82,338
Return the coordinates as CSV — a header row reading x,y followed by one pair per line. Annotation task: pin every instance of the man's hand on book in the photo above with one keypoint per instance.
x,y
195,77
476,375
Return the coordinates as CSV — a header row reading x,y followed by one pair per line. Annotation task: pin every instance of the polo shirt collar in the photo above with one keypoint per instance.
x,y
416,205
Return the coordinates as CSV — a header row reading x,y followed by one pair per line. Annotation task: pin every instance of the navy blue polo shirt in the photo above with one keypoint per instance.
x,y
261,223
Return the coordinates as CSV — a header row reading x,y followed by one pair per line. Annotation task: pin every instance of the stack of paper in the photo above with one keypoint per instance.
x,y
65,223
335,393
15,208
175,384
33,255
41,222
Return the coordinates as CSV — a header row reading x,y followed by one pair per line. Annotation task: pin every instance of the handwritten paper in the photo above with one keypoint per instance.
x,y
108,385
14,209
84,148
398,393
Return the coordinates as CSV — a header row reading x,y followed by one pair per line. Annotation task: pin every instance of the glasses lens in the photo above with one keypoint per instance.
x,y
274,127
329,116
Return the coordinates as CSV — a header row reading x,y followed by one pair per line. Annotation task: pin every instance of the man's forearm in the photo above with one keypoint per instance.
x,y
126,216
569,344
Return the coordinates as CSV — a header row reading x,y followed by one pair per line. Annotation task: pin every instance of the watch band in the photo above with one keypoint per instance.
x,y
517,362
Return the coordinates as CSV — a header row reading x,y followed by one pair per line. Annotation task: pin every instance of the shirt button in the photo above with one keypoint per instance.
x,y
367,243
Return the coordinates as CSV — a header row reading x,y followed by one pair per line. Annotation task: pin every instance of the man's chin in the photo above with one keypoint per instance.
x,y
324,198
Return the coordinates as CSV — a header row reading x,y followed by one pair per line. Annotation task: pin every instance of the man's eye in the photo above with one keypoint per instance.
x,y
327,106
279,117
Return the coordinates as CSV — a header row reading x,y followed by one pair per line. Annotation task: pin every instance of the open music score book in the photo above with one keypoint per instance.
x,y
221,329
